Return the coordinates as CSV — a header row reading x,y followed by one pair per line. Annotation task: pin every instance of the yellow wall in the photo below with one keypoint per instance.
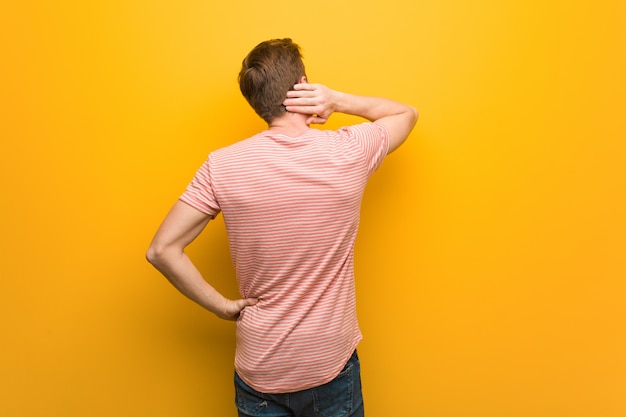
x,y
491,265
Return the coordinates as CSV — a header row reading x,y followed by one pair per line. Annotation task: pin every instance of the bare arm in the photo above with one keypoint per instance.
x,y
166,252
320,102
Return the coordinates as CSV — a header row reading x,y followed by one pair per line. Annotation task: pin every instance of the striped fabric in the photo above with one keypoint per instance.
x,y
291,208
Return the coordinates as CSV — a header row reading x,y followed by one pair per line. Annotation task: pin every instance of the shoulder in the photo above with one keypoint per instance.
x,y
366,129
369,134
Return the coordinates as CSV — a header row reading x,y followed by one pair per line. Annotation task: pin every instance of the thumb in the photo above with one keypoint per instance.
x,y
316,120
246,302
233,308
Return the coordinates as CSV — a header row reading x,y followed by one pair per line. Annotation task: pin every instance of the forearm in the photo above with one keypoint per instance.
x,y
176,266
370,108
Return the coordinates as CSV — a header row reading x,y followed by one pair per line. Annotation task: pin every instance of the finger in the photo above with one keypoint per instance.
x,y
302,109
245,302
316,120
300,93
250,301
302,90
300,102
240,305
304,86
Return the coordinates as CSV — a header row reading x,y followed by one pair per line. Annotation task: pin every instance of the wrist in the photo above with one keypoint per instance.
x,y
338,102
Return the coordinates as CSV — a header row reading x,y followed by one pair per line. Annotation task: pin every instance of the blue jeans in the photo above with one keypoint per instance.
x,y
340,397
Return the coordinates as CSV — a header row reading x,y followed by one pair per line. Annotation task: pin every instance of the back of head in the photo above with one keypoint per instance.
x,y
267,73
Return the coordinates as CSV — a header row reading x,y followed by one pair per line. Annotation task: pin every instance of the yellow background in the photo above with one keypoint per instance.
x,y
491,261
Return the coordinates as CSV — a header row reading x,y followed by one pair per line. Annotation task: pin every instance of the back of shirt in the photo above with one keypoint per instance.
x,y
291,208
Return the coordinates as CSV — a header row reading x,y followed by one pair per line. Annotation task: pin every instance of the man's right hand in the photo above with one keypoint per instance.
x,y
233,308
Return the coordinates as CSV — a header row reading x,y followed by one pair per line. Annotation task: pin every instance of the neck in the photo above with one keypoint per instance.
x,y
290,124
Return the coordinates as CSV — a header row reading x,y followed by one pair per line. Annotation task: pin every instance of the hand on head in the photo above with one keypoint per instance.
x,y
310,99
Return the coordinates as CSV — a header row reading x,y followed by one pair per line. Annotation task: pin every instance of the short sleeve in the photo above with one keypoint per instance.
x,y
200,193
373,139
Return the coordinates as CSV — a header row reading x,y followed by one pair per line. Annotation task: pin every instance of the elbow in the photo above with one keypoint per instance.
x,y
151,255
414,114
155,255
161,255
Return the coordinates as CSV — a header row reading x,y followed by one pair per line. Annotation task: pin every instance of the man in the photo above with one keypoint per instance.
x,y
290,197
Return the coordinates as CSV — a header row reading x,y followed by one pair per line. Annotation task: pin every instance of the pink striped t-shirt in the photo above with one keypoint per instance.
x,y
291,208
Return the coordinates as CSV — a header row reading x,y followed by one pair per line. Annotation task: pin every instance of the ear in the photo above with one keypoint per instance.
x,y
303,79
